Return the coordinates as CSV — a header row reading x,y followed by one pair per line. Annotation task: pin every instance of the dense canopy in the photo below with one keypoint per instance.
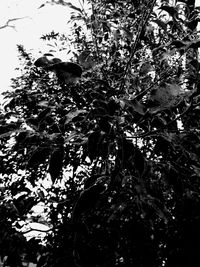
x,y
109,164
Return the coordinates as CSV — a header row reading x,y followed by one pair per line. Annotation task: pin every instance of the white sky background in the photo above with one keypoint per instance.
x,y
28,31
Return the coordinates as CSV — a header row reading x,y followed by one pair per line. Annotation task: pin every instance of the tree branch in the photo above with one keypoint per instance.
x,y
7,24
143,23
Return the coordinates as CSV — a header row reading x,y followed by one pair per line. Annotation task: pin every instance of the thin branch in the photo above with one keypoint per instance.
x,y
184,112
7,24
143,22
159,80
156,133
94,34
156,82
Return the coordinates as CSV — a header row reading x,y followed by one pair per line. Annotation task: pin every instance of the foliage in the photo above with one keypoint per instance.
x,y
114,158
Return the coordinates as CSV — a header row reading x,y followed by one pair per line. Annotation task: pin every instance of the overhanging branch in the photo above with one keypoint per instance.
x,y
7,24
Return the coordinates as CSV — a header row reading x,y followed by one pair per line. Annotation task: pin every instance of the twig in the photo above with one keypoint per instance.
x,y
146,134
7,24
180,115
156,132
94,34
141,94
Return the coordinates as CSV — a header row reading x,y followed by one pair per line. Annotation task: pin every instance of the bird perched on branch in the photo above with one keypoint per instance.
x,y
42,62
67,72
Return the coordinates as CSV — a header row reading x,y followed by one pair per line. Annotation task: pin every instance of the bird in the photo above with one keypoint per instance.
x,y
66,72
42,62
55,60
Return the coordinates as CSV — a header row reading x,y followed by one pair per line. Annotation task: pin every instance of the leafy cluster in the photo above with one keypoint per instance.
x,y
114,158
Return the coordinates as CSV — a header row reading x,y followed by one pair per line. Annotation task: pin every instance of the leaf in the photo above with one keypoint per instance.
x,y
85,59
131,157
178,43
195,44
195,63
113,106
74,113
83,55
162,146
41,6
38,156
76,137
93,144
56,163
139,161
127,33
43,114
43,104
196,170
73,7
48,55
28,203
136,105
88,199
168,95
158,122
21,138
9,133
174,179
97,103
145,68
104,125
170,10
23,202
161,24
9,127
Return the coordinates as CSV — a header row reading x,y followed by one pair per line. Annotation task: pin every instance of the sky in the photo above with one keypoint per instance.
x,y
34,23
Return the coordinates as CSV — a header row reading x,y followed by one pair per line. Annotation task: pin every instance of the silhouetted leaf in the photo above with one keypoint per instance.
x,y
136,105
43,114
73,114
56,163
94,144
87,199
113,106
73,7
178,43
8,128
195,63
170,10
195,44
41,6
139,161
38,156
105,125
174,179
161,24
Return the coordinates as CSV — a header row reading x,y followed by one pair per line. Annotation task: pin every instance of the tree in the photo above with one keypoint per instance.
x,y
120,148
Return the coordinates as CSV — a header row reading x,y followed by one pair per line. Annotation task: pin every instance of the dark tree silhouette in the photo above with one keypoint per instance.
x,y
119,148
